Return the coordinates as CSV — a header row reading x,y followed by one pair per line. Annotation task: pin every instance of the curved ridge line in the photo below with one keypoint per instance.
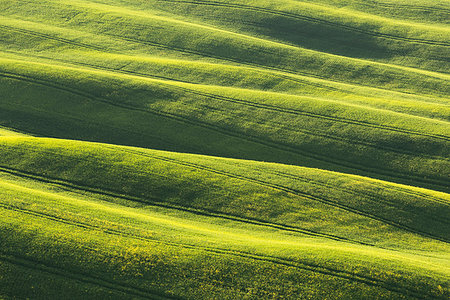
x,y
290,111
252,64
313,20
248,138
82,277
366,194
264,67
287,190
275,108
271,259
411,6
52,37
157,202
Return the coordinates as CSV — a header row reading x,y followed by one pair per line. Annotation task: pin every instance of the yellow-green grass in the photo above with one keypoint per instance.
x,y
414,45
423,11
92,104
8,132
259,191
289,149
129,222
233,76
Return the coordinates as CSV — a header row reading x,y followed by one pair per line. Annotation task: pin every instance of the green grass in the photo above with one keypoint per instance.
x,y
175,208
224,149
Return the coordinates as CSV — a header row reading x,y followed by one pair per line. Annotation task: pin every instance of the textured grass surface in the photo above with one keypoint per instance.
x,y
221,219
226,149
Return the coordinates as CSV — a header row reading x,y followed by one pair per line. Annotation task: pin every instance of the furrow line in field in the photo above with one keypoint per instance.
x,y
220,251
374,198
314,20
368,195
22,261
371,195
316,132
246,137
284,77
252,65
151,201
407,6
82,277
155,201
103,125
52,37
276,75
280,109
289,191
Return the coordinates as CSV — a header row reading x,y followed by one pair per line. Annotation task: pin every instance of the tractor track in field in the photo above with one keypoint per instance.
x,y
90,122
276,75
272,107
278,187
412,6
265,67
82,277
71,186
313,20
137,291
309,19
287,190
52,37
280,76
249,64
279,109
371,196
228,132
306,266
366,193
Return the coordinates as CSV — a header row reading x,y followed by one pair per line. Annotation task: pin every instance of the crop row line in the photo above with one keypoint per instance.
x,y
255,139
393,188
81,277
287,190
406,6
52,37
215,213
371,197
313,20
71,186
246,63
368,195
219,251
275,108
280,109
243,62
167,143
316,132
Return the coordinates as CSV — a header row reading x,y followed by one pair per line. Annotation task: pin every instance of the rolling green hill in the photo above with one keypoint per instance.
x,y
235,149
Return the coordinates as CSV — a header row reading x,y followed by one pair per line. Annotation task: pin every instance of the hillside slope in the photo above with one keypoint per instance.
x,y
242,149
136,221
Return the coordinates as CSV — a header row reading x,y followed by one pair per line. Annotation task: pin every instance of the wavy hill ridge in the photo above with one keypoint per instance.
x,y
242,149
247,210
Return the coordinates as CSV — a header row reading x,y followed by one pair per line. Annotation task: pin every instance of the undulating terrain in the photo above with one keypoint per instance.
x,y
229,149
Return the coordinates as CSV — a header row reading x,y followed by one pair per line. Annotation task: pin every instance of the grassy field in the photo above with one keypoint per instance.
x,y
234,149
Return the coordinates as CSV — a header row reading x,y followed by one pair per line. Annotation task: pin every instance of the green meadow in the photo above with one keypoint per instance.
x,y
241,149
